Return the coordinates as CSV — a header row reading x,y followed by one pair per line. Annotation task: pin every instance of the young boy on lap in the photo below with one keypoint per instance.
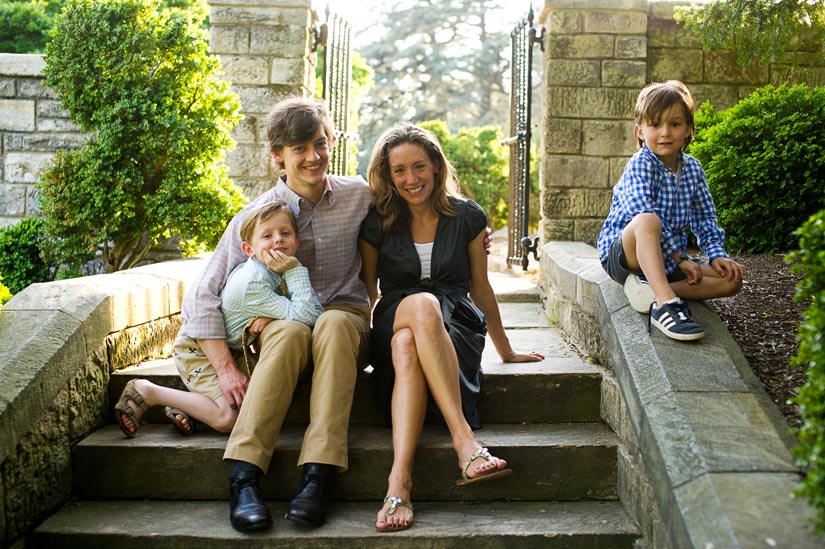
x,y
662,191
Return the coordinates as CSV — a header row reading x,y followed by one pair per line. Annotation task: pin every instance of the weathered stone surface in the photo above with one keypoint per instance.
x,y
21,64
667,34
8,87
618,73
575,170
261,99
555,229
573,72
246,131
598,4
576,202
17,115
631,47
579,46
291,70
813,76
279,42
248,161
609,103
12,200
261,14
42,142
229,39
685,65
33,88
617,166
607,138
721,67
563,135
722,97
25,167
615,21
57,125
587,230
150,340
565,22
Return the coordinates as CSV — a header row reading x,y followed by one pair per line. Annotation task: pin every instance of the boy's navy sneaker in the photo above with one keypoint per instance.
x,y
639,293
674,320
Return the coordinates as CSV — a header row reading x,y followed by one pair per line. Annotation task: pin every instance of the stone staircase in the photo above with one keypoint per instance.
x,y
163,490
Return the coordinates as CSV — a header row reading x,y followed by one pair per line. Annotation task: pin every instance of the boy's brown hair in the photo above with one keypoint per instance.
x,y
657,97
295,120
260,214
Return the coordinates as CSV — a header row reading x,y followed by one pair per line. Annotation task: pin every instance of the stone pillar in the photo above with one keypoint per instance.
x,y
266,48
595,64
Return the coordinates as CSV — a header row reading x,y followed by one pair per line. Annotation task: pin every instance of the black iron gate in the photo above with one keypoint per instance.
x,y
519,245
335,36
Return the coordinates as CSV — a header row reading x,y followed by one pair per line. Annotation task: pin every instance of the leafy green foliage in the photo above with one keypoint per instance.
x,y
482,165
25,24
761,29
143,81
20,260
811,355
764,162
5,294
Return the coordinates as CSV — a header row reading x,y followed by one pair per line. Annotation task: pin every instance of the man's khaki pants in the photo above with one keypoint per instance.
x,y
338,341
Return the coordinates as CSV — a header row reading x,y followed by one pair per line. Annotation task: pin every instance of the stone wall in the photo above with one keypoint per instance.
x,y
598,55
267,51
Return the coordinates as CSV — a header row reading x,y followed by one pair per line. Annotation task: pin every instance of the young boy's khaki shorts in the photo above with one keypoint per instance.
x,y
194,368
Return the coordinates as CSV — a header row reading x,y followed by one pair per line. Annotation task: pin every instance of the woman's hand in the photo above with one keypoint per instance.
x,y
523,357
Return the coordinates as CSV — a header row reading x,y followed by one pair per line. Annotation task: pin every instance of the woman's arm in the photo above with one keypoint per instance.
x,y
369,270
481,292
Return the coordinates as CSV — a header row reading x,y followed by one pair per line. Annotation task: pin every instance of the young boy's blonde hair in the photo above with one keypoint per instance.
x,y
260,214
657,97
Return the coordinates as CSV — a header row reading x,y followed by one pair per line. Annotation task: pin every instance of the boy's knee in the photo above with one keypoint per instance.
x,y
648,221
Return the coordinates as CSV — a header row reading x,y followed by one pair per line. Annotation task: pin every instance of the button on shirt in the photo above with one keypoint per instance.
x,y
678,199
252,291
327,247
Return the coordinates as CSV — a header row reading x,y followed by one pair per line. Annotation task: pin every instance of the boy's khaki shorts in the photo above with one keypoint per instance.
x,y
195,370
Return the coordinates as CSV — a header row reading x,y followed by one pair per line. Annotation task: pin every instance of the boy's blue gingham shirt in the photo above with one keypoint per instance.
x,y
328,248
680,200
252,291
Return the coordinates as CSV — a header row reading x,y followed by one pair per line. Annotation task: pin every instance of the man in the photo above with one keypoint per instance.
x,y
329,210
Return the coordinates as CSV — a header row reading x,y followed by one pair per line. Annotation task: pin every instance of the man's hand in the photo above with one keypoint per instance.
x,y
729,269
258,325
279,262
233,385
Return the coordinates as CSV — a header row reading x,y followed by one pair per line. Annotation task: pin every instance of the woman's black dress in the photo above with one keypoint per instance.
x,y
399,274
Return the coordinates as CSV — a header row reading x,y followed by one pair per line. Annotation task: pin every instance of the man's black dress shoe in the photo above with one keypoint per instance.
x,y
309,507
247,510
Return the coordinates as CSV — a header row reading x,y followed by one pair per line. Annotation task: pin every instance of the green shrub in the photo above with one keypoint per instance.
x,y
5,294
811,355
24,26
143,81
764,163
21,263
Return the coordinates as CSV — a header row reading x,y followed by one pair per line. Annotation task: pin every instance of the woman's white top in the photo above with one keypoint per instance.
x,y
425,254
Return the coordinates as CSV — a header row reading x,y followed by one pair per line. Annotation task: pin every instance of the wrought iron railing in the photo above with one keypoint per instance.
x,y
336,36
519,244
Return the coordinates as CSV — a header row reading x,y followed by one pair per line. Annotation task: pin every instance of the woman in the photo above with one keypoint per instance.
x,y
425,244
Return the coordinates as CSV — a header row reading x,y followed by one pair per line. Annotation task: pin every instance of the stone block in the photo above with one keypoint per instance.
x,y
17,115
617,166
595,103
21,64
562,135
579,46
148,341
8,87
12,199
667,34
555,229
638,5
575,171
34,88
245,69
607,138
615,22
573,203
246,131
42,142
570,72
587,230
33,201
631,47
229,39
667,64
280,41
57,125
722,97
813,76
565,22
624,74
247,161
25,167
47,108
721,68
261,99
292,71
260,13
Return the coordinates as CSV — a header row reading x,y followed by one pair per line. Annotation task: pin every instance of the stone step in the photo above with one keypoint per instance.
x,y
561,388
550,462
205,524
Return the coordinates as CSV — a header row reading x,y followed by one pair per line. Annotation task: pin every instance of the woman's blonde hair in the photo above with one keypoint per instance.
x,y
658,97
392,208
